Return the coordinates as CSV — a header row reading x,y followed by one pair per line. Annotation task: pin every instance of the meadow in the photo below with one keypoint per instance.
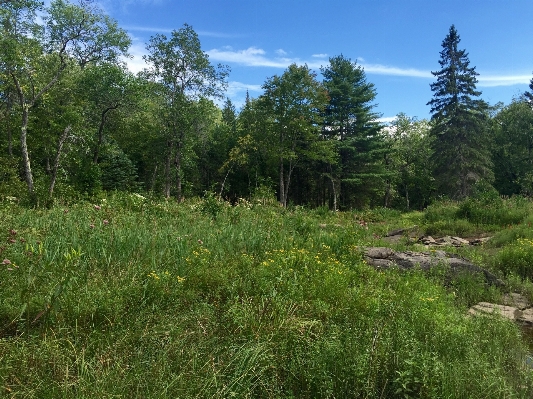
x,y
133,297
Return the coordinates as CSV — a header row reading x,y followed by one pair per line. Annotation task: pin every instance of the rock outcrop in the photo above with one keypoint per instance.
x,y
384,258
516,308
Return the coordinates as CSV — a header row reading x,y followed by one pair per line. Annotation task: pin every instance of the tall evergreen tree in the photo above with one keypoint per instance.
x,y
352,124
529,94
461,146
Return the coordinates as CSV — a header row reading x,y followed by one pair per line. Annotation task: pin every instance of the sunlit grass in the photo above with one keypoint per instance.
x,y
134,297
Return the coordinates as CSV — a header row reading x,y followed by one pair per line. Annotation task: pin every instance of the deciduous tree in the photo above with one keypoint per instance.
x,y
185,75
293,102
513,148
34,55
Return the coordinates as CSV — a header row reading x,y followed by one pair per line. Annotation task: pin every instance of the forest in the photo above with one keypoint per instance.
x,y
158,242
74,122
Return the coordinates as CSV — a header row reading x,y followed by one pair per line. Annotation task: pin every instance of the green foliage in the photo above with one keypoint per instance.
x,y
510,233
493,211
211,205
292,104
484,212
512,129
351,125
516,259
461,146
88,178
117,170
12,185
181,59
138,297
408,162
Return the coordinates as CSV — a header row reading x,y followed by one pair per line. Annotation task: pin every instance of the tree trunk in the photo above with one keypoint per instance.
x,y
177,162
100,140
288,183
152,182
387,194
224,182
407,197
282,199
167,169
8,127
334,189
28,175
62,140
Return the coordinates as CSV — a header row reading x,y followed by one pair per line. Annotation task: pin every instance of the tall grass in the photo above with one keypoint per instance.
x,y
139,298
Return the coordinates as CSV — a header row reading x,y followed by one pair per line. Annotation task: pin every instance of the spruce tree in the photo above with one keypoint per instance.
x,y
529,94
461,147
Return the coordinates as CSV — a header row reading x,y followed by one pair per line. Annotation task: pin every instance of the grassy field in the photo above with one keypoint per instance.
x,y
129,297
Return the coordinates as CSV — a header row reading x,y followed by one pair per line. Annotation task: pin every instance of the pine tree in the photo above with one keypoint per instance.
x,y
461,147
529,94
351,123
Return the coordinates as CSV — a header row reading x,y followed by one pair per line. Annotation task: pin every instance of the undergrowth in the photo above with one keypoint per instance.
x,y
141,298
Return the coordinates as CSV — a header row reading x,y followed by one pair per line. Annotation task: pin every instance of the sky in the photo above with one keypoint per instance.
x,y
397,42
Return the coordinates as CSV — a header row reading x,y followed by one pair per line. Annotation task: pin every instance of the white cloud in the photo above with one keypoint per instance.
x,y
257,57
509,80
235,88
379,69
136,63
319,56
281,52
387,119
252,56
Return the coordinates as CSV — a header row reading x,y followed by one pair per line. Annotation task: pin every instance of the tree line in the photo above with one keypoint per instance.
x,y
75,122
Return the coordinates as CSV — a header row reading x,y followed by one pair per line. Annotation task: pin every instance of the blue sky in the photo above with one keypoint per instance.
x,y
397,42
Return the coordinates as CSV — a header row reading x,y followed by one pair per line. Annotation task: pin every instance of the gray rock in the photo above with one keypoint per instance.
x,y
382,257
399,232
517,300
524,317
504,311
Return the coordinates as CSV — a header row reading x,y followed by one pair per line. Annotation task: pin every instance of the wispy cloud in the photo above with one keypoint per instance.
x,y
126,5
508,80
257,57
235,88
252,56
146,29
395,71
387,119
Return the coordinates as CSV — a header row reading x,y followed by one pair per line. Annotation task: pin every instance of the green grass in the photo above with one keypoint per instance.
x,y
151,299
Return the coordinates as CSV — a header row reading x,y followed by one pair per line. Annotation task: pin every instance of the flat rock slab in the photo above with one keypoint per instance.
x,y
508,312
384,258
451,241
524,317
517,300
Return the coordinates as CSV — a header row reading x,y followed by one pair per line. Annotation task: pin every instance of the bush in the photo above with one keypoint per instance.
x,y
493,211
12,185
516,259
